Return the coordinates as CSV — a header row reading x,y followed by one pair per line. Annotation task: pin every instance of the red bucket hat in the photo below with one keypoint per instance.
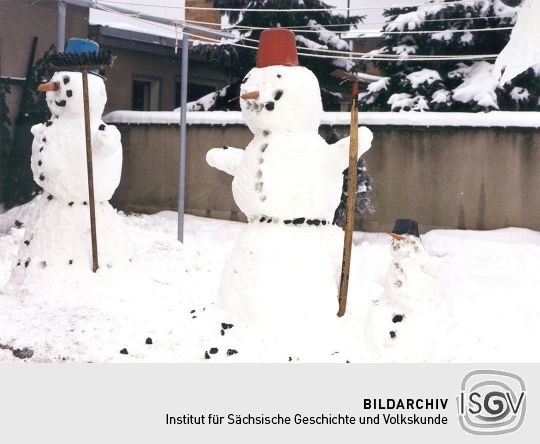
x,y
277,46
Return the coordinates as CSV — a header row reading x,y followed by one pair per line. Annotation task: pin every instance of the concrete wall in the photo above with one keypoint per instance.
x,y
468,178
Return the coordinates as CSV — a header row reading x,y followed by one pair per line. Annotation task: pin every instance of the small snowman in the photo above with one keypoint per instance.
x,y
399,318
57,231
285,267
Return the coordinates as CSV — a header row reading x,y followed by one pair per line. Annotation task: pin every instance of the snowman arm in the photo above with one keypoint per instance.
x,y
36,128
106,141
340,149
225,159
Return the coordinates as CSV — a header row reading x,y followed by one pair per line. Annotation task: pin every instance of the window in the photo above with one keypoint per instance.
x,y
195,92
145,93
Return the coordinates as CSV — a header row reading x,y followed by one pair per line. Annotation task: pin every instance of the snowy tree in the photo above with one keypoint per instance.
x,y
19,186
238,61
449,85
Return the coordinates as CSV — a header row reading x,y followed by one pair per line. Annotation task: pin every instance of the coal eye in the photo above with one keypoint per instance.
x,y
278,95
245,79
65,79
69,93
279,76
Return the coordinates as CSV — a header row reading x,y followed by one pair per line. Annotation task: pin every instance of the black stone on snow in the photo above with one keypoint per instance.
x,y
398,318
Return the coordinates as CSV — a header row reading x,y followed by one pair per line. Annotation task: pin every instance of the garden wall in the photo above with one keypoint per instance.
x,y
481,176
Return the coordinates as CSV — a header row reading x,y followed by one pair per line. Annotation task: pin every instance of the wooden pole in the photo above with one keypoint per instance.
x,y
351,201
90,170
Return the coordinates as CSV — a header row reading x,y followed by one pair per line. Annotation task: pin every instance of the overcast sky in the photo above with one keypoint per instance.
x,y
373,20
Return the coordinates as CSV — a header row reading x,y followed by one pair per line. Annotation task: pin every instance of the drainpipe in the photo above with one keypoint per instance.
x,y
61,35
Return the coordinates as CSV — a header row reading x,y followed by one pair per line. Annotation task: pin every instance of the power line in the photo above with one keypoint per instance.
x,y
244,10
306,28
331,54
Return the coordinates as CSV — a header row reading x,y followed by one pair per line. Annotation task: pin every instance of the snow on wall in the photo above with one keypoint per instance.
x,y
423,119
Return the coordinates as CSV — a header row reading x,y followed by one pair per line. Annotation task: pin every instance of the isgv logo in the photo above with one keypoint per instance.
x,y
491,402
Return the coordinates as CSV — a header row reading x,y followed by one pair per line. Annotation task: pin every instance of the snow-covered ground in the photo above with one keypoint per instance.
x,y
482,288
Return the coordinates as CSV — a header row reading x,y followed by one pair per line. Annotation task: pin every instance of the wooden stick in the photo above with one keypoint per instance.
x,y
351,201
90,170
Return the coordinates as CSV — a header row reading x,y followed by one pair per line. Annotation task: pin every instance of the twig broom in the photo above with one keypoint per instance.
x,y
351,192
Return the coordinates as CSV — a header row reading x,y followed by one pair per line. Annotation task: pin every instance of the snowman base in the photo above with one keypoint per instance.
x,y
57,242
283,280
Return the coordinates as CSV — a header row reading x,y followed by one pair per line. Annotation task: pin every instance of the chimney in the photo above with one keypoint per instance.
x,y
198,15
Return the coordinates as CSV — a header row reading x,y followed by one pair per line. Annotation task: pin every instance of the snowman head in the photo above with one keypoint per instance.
x,y
278,95
64,95
281,99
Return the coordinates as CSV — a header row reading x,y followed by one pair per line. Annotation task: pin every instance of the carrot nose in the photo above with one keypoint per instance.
x,y
396,236
250,95
49,86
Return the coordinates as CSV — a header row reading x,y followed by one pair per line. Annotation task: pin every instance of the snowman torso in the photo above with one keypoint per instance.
x,y
59,162
286,176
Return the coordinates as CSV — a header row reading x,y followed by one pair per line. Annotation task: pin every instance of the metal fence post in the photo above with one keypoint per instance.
x,y
182,157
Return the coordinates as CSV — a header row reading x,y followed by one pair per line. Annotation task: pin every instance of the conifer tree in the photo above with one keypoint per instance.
x,y
449,85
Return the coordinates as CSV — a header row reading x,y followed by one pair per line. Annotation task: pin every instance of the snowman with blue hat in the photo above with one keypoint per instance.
x,y
57,230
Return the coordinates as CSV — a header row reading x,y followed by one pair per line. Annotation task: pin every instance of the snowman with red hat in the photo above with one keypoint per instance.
x,y
285,267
